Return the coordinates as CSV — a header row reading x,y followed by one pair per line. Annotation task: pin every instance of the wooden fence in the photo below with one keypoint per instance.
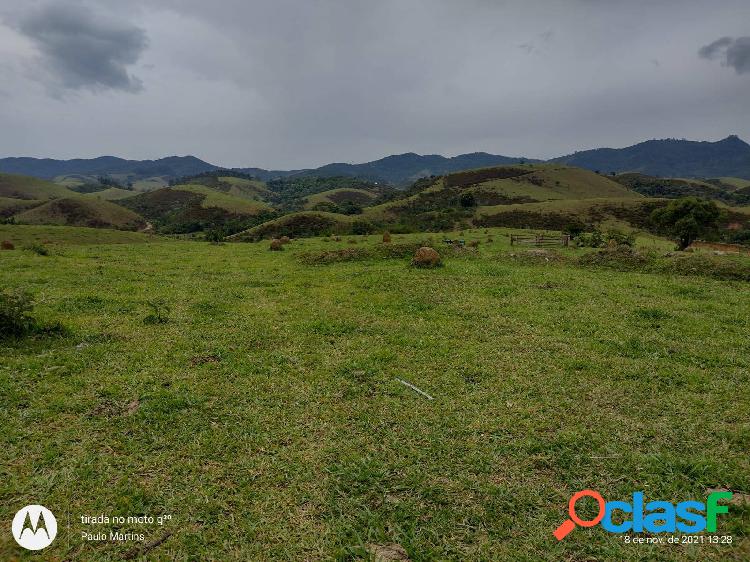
x,y
541,240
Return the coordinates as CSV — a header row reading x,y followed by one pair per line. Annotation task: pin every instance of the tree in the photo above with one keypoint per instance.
x,y
687,219
467,200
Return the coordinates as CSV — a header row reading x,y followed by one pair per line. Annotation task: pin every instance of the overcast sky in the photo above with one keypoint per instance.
x,y
289,84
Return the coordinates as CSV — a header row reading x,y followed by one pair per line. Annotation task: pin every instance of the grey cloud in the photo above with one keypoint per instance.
x,y
734,53
82,49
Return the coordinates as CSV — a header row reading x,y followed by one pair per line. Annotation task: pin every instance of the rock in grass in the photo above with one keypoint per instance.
x,y
276,245
426,257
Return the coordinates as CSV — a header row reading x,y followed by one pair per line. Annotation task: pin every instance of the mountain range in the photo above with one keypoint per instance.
x,y
666,157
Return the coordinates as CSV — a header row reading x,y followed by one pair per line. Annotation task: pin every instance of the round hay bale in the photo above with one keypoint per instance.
x,y
386,237
426,257
285,240
7,245
276,245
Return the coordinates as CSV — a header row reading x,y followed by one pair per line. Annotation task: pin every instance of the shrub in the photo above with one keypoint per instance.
x,y
386,237
426,257
276,245
285,240
38,249
7,245
362,227
14,318
215,235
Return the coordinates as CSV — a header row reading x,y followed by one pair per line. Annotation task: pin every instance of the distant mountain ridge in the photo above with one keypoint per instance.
x,y
669,158
666,158
48,168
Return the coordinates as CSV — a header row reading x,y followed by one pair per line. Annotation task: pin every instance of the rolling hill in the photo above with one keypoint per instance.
x,y
82,211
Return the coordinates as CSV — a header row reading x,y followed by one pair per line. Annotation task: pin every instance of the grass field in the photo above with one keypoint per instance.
x,y
266,418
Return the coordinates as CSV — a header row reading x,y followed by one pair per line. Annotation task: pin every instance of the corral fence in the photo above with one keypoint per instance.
x,y
539,240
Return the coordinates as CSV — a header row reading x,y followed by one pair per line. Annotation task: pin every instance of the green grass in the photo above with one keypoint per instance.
x,y
70,235
266,418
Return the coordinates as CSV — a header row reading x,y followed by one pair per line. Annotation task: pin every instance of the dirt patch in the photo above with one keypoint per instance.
x,y
388,552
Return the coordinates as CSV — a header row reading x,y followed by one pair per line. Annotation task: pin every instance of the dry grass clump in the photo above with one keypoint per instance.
x,y
276,245
285,240
386,237
7,245
381,251
426,257
474,244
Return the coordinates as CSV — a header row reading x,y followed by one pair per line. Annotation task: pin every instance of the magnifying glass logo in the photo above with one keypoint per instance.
x,y
569,524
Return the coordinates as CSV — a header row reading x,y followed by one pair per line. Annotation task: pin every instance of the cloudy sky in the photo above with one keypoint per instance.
x,y
288,84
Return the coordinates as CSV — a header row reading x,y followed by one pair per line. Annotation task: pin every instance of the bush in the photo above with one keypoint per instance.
x,y
362,227
276,245
14,318
597,239
386,237
38,249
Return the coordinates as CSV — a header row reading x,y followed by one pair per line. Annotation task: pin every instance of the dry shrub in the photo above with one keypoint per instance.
x,y
618,257
386,237
474,244
351,241
285,240
276,245
426,257
7,245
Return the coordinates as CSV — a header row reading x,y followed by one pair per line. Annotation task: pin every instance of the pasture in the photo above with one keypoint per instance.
x,y
263,413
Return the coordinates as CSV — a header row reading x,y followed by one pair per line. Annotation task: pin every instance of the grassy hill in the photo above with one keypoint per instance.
x,y
82,211
110,194
475,195
340,196
239,205
730,193
300,224
15,186
194,207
